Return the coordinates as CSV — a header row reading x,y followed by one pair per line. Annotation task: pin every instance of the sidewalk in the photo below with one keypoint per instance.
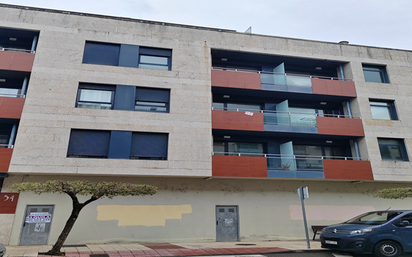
x,y
167,249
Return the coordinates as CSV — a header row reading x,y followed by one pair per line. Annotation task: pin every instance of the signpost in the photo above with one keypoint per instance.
x,y
303,194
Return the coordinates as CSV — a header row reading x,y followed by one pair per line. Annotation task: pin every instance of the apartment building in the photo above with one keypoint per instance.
x,y
227,125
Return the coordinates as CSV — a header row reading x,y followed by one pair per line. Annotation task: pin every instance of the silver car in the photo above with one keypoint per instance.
x,y
2,250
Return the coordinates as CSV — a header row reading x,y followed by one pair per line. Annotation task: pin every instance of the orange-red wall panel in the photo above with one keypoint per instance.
x,y
352,170
236,79
340,126
333,87
11,107
8,203
237,120
5,157
239,166
16,61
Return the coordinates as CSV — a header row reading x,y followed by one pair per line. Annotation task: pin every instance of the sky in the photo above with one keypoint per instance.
x,y
381,23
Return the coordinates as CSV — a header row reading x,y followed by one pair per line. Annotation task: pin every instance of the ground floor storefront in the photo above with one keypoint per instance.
x,y
191,210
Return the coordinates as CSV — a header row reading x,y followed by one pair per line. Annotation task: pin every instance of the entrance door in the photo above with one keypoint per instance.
x,y
36,225
227,226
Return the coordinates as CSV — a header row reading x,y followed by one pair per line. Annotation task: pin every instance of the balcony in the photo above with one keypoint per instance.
x,y
295,122
236,79
5,157
11,107
228,164
282,82
16,61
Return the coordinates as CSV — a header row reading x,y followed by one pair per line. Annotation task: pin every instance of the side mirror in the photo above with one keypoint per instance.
x,y
404,223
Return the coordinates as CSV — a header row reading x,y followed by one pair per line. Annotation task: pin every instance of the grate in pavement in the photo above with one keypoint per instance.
x,y
99,255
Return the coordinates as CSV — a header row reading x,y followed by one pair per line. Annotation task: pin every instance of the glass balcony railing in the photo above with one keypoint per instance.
x,y
282,79
293,162
286,118
11,92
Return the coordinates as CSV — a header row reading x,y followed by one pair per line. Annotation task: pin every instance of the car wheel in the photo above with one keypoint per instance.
x,y
387,249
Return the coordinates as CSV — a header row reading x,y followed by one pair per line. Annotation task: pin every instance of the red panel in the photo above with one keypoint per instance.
x,y
5,157
352,170
16,61
11,107
237,120
333,87
236,79
239,166
340,126
8,203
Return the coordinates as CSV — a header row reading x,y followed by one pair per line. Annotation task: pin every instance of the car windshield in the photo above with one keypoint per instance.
x,y
373,218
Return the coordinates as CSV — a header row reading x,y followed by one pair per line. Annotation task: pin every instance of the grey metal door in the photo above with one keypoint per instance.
x,y
36,225
227,225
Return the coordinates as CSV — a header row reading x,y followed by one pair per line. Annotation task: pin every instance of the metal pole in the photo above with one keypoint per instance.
x,y
24,86
34,44
12,136
304,217
348,109
355,144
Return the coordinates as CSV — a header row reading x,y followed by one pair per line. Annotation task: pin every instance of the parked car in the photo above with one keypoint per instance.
x,y
383,233
2,250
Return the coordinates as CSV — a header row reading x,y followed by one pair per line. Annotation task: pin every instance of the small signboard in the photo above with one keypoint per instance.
x,y
8,203
38,217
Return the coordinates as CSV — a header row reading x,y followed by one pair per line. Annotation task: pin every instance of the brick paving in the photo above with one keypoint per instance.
x,y
164,249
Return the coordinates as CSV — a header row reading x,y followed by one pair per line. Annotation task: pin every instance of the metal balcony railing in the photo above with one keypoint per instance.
x,y
6,146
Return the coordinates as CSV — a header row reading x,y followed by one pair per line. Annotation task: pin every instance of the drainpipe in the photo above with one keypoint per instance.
x,y
33,45
355,144
12,136
348,109
341,73
24,86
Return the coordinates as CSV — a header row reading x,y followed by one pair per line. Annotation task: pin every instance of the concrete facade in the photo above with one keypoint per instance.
x,y
185,207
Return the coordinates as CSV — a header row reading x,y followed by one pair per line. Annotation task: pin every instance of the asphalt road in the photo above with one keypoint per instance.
x,y
323,254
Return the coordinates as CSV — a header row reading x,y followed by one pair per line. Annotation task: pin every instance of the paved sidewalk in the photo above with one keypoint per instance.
x,y
166,249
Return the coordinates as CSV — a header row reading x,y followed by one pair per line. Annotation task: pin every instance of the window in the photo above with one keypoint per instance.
x,y
89,143
101,53
94,96
117,144
122,97
149,146
375,73
392,149
127,56
383,109
152,100
154,58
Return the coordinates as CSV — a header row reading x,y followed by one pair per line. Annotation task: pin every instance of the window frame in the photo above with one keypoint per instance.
x,y
375,69
390,107
155,52
163,138
100,87
152,99
71,148
400,145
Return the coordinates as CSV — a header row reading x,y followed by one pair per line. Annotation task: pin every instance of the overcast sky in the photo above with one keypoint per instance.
x,y
382,23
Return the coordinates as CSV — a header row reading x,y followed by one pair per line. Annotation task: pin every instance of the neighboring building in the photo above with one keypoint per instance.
x,y
228,125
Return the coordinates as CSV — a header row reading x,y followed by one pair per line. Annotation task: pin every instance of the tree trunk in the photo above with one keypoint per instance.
x,y
66,230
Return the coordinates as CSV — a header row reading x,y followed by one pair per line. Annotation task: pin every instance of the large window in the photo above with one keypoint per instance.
x,y
93,96
149,146
152,100
122,97
127,56
375,73
392,149
101,53
154,58
117,144
89,143
383,109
